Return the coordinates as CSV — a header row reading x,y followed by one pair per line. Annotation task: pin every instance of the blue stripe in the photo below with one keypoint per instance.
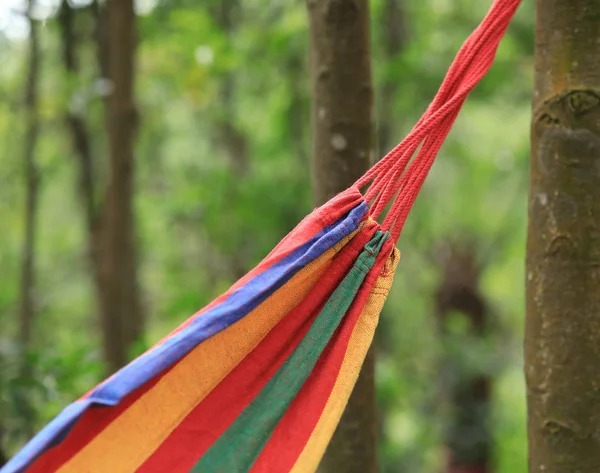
x,y
237,305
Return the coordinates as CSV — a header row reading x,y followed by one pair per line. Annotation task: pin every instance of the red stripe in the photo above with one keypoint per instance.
x,y
198,431
90,424
294,430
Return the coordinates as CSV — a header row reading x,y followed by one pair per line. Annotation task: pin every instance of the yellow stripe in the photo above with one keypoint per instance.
x,y
359,343
128,441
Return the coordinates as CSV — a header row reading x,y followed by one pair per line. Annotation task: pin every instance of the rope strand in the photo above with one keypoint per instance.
x,y
395,177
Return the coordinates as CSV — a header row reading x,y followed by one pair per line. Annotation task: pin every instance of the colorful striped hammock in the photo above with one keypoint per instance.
x,y
257,380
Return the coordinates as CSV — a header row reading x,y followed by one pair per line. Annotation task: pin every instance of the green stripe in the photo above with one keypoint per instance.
x,y
239,446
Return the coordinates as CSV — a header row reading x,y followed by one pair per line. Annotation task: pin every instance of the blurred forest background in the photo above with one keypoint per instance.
x,y
221,160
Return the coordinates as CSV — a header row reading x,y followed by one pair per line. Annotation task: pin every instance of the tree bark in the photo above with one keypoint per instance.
x,y
465,391
122,314
342,142
32,125
562,342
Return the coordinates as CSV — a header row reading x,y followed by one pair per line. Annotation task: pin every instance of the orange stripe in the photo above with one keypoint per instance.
x,y
359,343
127,442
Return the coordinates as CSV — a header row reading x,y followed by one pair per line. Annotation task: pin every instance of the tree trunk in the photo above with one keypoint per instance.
x,y
110,223
122,317
82,143
27,309
464,388
393,38
342,141
562,343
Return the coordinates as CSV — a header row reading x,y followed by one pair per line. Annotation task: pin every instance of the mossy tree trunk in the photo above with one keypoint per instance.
x,y
562,346
342,143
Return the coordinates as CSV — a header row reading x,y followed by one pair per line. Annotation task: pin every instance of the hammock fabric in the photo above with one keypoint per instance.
x,y
257,381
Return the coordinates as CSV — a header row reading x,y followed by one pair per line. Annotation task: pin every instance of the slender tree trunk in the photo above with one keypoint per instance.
x,y
110,222
393,39
27,309
342,141
122,316
467,393
562,343
82,144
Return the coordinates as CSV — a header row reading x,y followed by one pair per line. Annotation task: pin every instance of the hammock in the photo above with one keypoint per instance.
x,y
257,380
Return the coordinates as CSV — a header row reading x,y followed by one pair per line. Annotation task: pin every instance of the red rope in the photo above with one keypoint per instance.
x,y
395,174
